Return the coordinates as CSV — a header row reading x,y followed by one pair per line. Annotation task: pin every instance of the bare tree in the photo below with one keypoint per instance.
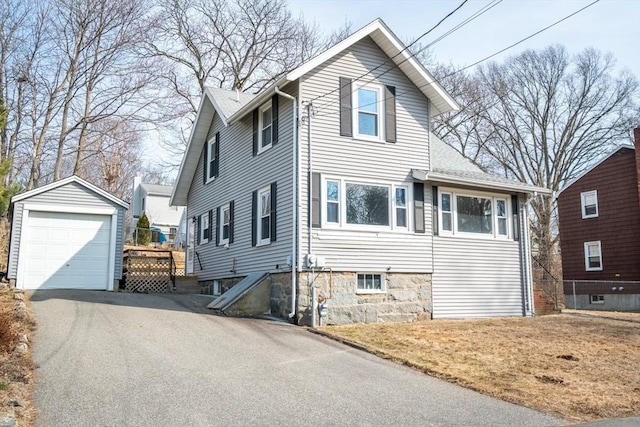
x,y
236,44
542,117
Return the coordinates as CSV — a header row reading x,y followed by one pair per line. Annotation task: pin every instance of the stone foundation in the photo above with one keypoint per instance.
x,y
407,298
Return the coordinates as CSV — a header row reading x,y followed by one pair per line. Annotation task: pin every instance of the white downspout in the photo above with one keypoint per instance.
x,y
527,256
294,197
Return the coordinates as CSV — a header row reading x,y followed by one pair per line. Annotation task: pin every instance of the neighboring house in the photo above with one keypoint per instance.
x,y
599,222
66,235
154,201
359,203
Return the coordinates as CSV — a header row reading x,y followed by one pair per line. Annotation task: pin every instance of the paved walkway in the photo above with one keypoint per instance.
x,y
161,360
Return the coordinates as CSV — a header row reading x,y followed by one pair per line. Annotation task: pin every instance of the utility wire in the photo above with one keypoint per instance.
x,y
393,57
476,15
488,57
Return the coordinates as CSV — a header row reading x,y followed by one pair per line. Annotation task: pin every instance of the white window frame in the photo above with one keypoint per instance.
x,y
259,240
379,89
383,283
587,265
222,240
342,205
395,207
494,197
211,158
202,221
266,106
583,203
599,299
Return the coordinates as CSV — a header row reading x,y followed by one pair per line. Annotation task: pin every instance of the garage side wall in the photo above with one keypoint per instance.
x,y
72,194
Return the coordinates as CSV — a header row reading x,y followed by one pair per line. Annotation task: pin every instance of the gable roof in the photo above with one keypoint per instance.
x,y
232,106
613,151
448,166
65,181
157,190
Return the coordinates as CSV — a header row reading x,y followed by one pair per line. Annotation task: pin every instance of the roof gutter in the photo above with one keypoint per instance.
x,y
295,194
471,182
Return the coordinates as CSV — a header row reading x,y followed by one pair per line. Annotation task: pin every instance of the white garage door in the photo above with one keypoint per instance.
x,y
66,251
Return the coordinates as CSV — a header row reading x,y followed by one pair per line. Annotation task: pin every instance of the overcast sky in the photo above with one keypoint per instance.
x,y
609,25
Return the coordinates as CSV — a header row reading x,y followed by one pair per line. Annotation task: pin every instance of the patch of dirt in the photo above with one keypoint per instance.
x,y
582,368
16,368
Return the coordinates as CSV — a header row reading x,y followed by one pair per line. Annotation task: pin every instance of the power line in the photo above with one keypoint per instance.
x,y
477,14
393,57
490,56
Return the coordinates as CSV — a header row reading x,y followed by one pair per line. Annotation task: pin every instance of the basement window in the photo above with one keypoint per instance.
x,y
596,299
370,283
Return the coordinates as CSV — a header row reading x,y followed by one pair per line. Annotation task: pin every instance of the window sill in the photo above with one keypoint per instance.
x,y
259,244
210,180
475,236
593,269
262,150
365,138
590,216
370,292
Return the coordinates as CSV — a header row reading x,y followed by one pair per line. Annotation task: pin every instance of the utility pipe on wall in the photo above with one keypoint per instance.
x,y
294,194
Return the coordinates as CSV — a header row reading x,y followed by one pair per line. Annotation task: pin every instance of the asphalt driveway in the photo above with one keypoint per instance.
x,y
163,360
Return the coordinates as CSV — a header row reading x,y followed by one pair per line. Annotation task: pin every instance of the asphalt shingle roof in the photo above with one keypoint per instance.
x,y
229,101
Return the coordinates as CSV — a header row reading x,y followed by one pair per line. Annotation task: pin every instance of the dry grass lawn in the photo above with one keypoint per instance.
x,y
579,367
16,370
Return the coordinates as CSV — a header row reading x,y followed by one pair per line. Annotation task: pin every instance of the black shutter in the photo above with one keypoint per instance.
x,y
316,210
231,220
273,211
196,229
274,119
346,127
256,125
516,217
254,217
217,226
205,162
216,161
210,229
390,113
418,206
434,202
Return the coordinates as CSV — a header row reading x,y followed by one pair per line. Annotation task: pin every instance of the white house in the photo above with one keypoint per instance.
x,y
330,187
154,200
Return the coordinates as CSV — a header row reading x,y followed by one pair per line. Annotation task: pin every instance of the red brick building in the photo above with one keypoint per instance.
x,y
599,221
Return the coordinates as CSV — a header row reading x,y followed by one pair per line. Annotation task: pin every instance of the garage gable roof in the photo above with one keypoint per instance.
x,y
65,181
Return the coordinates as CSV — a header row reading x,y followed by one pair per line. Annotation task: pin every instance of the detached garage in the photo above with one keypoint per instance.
x,y
66,235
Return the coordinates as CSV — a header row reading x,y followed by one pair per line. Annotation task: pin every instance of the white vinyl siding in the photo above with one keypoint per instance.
x,y
476,278
234,183
69,195
370,161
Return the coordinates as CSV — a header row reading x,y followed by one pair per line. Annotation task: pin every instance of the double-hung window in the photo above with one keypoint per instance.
x,y
265,126
368,114
212,158
367,110
264,215
203,228
225,224
401,219
473,214
593,256
589,204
